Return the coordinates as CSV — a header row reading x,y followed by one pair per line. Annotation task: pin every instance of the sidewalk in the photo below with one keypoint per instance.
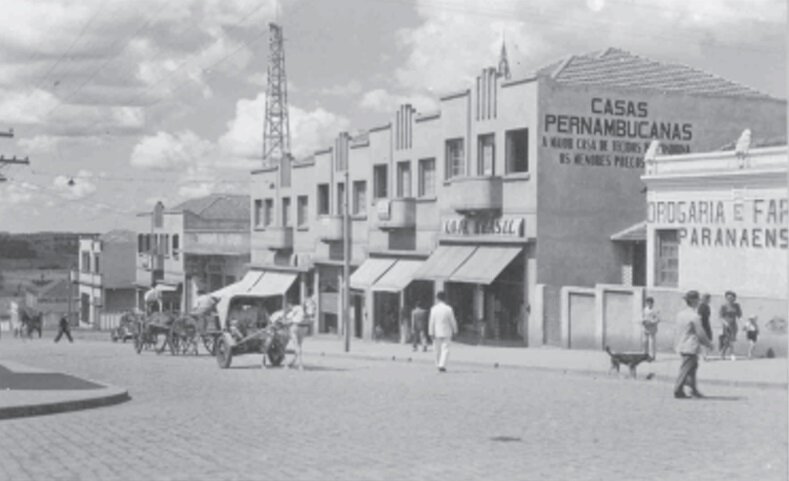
x,y
27,391
765,373
770,373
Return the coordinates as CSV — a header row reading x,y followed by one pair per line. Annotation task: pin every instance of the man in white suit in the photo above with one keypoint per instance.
x,y
442,327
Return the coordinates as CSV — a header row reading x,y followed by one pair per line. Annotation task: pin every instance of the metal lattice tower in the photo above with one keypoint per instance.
x,y
276,126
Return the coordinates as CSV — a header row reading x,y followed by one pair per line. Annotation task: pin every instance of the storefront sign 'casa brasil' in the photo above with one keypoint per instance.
x,y
504,226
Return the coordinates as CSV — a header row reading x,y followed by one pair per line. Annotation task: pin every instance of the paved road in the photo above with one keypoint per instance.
x,y
359,419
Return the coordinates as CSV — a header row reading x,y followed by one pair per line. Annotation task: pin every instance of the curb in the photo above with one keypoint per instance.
x,y
584,372
114,397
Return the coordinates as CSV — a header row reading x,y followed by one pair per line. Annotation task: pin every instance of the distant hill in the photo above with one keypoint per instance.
x,y
40,250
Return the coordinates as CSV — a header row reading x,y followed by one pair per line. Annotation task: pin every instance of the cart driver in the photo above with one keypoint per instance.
x,y
153,297
204,307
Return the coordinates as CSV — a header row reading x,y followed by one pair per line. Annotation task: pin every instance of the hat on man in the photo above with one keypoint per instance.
x,y
691,296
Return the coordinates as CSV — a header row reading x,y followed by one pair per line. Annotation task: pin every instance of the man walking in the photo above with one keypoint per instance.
x,y
651,319
442,327
690,338
419,326
64,329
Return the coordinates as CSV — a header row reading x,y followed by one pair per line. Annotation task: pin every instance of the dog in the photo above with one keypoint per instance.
x,y
629,359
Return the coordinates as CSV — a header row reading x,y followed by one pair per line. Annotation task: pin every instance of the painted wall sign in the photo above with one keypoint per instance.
x,y
755,223
614,133
504,226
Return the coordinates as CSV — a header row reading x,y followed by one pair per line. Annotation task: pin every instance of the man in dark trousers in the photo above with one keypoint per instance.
x,y
690,338
419,326
64,329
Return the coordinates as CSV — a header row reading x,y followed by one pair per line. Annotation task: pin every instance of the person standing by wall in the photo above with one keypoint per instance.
x,y
650,321
690,338
704,314
64,328
419,326
751,329
730,313
443,326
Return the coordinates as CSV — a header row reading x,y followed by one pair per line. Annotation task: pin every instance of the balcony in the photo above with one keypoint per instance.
x,y
475,194
397,214
278,238
330,228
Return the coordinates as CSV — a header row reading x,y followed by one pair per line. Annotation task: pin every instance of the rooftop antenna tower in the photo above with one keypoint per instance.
x,y
276,126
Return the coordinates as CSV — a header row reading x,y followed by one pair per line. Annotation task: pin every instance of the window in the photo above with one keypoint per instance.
x,y
404,179
340,198
176,245
148,243
140,243
323,199
302,204
166,244
427,177
380,182
85,262
486,154
286,212
96,263
359,197
268,213
454,158
258,213
517,146
667,264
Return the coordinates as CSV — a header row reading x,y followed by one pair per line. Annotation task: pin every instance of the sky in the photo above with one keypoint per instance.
x,y
144,100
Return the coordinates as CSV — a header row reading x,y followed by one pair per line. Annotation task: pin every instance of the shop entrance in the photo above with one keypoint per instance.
x,y
386,325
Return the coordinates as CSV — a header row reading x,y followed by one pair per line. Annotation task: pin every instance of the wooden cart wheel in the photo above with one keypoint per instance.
x,y
224,355
276,352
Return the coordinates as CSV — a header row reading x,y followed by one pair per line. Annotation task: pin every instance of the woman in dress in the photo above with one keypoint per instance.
x,y
730,314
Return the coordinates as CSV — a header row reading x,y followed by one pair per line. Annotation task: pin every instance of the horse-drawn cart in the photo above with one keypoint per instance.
x,y
246,328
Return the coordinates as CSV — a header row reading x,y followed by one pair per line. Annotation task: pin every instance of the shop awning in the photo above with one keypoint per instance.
x,y
485,264
399,276
250,279
443,262
273,284
634,233
369,272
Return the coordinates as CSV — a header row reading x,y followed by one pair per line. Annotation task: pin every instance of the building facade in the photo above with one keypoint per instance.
x,y
511,190
105,278
199,245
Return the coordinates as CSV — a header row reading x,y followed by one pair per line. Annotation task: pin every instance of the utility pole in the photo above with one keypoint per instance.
x,y
346,264
13,160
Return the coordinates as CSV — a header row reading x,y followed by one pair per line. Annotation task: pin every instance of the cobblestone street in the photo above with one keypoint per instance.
x,y
364,419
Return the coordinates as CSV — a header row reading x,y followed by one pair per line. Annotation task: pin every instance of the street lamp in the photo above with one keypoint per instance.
x,y
346,263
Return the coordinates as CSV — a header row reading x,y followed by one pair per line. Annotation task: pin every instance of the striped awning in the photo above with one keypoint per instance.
x,y
443,262
398,276
485,265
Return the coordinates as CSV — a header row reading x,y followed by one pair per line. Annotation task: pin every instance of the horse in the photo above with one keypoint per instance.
x,y
290,327
31,321
184,333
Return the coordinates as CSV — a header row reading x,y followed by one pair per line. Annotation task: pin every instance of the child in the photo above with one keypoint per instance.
x,y
751,333
650,321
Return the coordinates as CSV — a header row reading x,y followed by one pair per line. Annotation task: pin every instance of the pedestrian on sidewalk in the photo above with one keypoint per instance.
x,y
419,326
704,314
64,328
730,314
650,321
443,326
751,329
690,338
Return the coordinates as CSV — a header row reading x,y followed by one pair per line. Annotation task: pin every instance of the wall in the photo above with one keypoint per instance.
x,y
747,205
118,300
587,192
118,264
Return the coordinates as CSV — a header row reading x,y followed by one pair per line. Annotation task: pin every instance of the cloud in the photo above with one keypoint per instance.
x,y
351,88
458,38
309,130
381,100
14,193
121,56
164,151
